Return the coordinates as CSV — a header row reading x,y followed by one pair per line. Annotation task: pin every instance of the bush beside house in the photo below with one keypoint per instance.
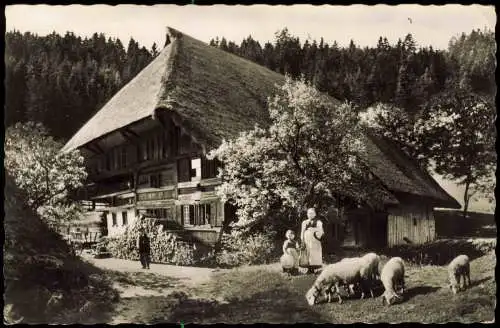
x,y
169,248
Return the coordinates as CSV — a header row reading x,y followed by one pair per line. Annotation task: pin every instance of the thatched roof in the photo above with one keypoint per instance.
x,y
215,95
400,173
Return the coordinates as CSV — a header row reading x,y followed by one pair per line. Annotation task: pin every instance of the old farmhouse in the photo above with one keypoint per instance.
x,y
145,151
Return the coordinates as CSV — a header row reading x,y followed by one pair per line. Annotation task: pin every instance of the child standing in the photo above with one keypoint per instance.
x,y
290,258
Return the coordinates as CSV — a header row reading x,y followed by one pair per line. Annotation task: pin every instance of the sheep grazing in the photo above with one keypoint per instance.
x,y
459,268
345,272
393,276
372,261
368,272
349,288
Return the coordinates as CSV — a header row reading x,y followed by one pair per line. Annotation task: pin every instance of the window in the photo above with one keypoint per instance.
x,y
164,144
143,150
108,162
184,170
175,134
159,213
124,218
209,168
195,169
414,221
143,181
123,159
113,217
184,144
154,180
198,215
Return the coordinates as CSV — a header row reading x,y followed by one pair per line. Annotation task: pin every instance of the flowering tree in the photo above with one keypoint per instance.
x,y
308,156
45,174
459,130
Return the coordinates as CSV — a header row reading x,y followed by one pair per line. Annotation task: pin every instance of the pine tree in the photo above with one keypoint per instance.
x,y
154,50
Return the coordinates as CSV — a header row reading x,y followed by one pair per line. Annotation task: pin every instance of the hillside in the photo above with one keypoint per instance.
x,y
44,282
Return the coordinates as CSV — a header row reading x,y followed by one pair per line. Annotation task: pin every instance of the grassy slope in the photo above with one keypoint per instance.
x,y
43,281
260,295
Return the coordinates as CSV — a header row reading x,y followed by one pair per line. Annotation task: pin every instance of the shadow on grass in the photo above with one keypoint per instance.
x,y
145,280
475,283
273,306
419,290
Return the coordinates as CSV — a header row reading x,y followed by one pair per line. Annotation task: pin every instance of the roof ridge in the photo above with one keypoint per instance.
x,y
167,76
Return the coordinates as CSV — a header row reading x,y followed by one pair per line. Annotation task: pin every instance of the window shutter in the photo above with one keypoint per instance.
x,y
191,214
208,214
219,213
179,215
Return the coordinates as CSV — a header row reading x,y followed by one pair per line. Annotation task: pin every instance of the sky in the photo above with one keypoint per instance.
x,y
430,25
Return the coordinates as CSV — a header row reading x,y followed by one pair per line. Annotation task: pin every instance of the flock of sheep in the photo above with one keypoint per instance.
x,y
363,272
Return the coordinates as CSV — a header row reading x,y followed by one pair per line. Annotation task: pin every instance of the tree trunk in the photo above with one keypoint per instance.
x,y
466,206
466,199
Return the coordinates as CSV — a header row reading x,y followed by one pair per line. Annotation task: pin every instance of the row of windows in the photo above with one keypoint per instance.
x,y
155,146
159,213
198,215
190,215
196,169
160,145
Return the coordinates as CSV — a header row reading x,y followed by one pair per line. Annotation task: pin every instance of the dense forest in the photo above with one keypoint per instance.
x,y
62,81
402,74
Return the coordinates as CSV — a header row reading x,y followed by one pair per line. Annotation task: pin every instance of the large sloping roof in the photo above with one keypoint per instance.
x,y
216,95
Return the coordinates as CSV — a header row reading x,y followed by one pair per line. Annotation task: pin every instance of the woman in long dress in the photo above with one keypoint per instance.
x,y
311,234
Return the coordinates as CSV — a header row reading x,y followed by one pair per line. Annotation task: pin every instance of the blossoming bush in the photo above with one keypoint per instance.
x,y
237,249
166,247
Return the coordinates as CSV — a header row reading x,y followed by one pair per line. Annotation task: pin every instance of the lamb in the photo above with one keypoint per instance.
x,y
459,267
328,282
392,277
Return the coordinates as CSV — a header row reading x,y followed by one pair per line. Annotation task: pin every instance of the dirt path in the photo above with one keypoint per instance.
x,y
144,294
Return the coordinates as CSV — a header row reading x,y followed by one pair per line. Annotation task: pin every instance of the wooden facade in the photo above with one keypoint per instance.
x,y
155,169
408,223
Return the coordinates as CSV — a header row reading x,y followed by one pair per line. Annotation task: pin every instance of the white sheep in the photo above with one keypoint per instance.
x,y
459,268
393,276
368,272
372,266
332,276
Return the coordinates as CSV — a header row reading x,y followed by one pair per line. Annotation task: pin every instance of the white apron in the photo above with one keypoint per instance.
x,y
312,244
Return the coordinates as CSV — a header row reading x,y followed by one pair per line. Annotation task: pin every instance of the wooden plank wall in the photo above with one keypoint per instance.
x,y
413,222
